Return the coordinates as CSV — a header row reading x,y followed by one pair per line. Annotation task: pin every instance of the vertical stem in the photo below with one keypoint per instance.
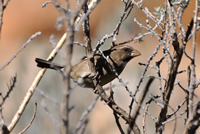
x,y
64,109
193,73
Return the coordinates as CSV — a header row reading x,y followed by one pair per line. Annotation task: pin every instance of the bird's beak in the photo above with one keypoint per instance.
x,y
135,53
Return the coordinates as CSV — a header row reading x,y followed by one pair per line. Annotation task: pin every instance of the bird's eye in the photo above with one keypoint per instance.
x,y
125,49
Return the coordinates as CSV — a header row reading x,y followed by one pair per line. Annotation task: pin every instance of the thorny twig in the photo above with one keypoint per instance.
x,y
10,88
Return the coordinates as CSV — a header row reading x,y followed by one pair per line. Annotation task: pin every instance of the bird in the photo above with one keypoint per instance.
x,y
118,56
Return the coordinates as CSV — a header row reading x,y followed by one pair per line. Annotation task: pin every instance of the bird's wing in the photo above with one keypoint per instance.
x,y
80,70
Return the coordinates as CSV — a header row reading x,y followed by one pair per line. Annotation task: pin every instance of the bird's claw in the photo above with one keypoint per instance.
x,y
110,100
96,91
94,76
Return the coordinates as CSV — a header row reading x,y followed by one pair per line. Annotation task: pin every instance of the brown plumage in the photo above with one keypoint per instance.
x,y
119,56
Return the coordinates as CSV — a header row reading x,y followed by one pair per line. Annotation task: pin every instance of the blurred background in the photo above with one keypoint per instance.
x,y
23,18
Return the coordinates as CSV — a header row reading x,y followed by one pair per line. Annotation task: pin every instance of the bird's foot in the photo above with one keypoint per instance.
x,y
96,91
94,76
110,98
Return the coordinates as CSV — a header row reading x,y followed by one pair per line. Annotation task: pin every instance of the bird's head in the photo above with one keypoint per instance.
x,y
122,54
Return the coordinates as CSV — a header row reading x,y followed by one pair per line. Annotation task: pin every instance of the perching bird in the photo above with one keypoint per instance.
x,y
119,56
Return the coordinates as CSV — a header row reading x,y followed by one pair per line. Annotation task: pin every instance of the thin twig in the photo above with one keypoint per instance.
x,y
77,43
34,115
53,119
47,97
136,112
177,109
84,115
142,77
145,113
144,120
15,55
118,123
84,126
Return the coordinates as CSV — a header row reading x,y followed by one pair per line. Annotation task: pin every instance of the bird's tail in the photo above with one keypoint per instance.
x,y
47,64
